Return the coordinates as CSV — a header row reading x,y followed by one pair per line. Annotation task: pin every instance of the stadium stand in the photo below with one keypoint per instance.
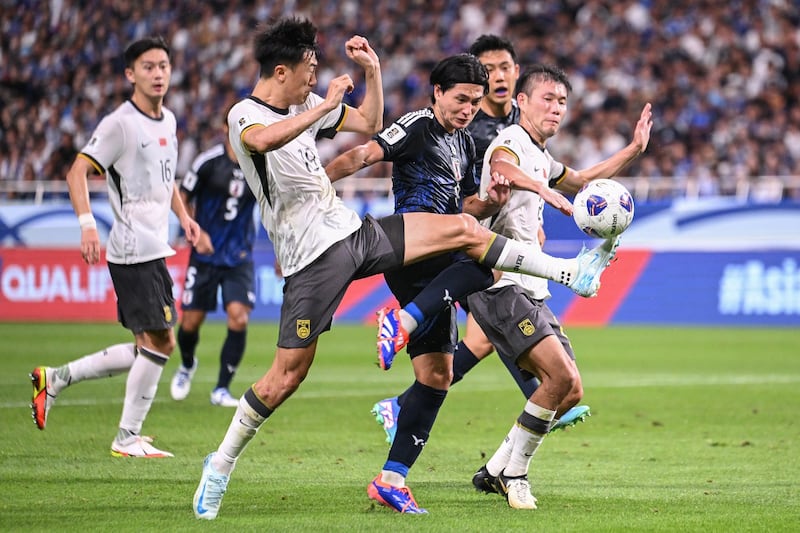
x,y
722,77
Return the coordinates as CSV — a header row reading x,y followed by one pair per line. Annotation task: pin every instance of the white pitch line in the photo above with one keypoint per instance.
x,y
598,381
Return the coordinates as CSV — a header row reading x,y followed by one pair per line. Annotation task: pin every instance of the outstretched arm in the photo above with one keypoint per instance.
x,y
497,194
354,160
506,164
613,165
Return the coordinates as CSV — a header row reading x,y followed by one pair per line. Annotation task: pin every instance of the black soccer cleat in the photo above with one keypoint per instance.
x,y
484,481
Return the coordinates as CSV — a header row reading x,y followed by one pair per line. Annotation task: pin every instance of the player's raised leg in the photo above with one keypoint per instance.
x,y
49,382
428,234
453,232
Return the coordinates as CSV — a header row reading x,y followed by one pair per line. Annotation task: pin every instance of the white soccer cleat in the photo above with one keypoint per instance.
x,y
591,264
182,382
517,491
137,446
223,398
208,496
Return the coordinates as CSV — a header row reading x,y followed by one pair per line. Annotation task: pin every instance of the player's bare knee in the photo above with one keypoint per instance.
x,y
439,379
161,341
470,231
238,322
444,379
463,231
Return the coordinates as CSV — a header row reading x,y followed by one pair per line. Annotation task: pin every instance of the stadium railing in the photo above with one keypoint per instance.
x,y
760,189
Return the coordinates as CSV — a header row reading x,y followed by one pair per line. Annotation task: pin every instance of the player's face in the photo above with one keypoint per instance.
x,y
301,79
151,73
542,112
456,107
503,75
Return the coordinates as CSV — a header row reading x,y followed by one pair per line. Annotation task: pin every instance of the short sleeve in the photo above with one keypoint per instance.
x,y
106,145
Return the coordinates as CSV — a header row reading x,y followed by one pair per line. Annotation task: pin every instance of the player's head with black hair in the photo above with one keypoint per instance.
x,y
540,73
137,48
288,41
492,43
461,68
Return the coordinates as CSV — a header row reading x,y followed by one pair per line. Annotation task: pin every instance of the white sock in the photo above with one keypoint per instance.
x,y
393,478
408,321
140,389
524,258
527,441
498,461
243,428
103,364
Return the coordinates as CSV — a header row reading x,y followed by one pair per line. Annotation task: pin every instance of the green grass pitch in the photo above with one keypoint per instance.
x,y
694,429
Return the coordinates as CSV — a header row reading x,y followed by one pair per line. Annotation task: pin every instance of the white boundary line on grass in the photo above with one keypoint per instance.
x,y
608,381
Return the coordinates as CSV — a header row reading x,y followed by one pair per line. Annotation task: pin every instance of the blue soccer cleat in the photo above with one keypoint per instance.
x,y
572,417
398,499
392,336
591,264
386,413
208,496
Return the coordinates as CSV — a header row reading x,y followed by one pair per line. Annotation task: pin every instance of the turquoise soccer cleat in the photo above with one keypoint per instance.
x,y
579,413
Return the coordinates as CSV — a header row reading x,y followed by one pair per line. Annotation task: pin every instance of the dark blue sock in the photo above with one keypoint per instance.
x,y
187,342
402,398
231,356
450,285
414,425
463,361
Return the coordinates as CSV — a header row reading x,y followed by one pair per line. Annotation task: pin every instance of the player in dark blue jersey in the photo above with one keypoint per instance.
x,y
433,171
216,191
498,110
433,168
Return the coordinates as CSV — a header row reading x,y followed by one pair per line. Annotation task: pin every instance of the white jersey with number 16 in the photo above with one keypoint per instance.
x,y
138,155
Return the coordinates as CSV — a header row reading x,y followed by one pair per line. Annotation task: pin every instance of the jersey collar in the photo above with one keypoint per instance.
x,y
278,110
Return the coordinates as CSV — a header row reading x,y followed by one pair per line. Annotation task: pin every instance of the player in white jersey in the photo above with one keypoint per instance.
x,y
321,245
298,205
513,313
136,147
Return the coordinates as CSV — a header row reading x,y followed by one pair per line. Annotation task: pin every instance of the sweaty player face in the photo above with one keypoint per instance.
x,y
503,74
542,112
151,73
456,107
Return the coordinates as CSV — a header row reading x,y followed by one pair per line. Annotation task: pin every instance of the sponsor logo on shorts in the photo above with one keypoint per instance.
x,y
167,313
303,328
526,327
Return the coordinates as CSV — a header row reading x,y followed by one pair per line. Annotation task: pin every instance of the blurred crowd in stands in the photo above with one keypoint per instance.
x,y
723,77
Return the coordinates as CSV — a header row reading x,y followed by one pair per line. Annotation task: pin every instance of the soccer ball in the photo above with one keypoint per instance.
x,y
603,208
